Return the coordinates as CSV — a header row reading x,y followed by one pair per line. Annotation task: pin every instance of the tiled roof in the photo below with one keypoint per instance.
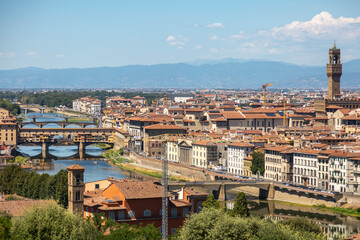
x,y
140,190
161,126
18,207
75,167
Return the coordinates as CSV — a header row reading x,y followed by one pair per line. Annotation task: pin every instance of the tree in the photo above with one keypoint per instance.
x,y
211,202
214,224
126,232
301,224
52,222
258,163
240,206
5,225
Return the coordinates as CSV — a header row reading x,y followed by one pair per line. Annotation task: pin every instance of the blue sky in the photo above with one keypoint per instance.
x,y
67,34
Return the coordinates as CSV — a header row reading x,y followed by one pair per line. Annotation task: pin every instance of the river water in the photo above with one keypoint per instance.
x,y
96,169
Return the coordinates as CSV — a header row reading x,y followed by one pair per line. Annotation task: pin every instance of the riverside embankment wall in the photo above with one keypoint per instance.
x,y
189,172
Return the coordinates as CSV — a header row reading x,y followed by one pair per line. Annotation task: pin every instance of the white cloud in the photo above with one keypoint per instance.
x,y
214,38
240,35
1,54
322,25
196,25
31,53
214,50
170,38
215,25
176,43
198,47
60,55
179,41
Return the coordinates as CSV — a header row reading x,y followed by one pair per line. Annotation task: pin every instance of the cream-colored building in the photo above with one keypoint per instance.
x,y
8,132
204,153
278,163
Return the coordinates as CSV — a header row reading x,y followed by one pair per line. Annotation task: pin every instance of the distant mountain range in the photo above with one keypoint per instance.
x,y
226,73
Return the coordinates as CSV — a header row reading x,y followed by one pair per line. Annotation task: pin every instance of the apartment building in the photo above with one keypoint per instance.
x,y
236,153
305,167
87,105
278,163
204,153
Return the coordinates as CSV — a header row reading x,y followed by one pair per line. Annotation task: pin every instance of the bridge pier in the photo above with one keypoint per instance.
x,y
42,110
44,149
222,192
82,145
25,110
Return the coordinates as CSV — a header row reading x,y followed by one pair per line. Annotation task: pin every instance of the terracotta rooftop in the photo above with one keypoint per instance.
x,y
161,126
18,207
140,190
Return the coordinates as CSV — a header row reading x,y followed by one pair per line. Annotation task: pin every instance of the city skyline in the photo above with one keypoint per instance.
x,y
82,34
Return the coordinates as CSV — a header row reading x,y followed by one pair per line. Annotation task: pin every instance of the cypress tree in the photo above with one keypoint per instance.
x,y
240,206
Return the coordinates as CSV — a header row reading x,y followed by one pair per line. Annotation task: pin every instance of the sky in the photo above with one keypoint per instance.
x,y
87,33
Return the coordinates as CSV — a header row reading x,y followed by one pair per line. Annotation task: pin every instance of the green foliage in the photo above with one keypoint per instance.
x,y
15,180
125,232
52,222
5,225
211,202
301,224
216,224
240,206
13,108
258,163
56,98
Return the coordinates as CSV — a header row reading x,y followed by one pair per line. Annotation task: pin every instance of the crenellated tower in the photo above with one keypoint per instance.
x,y
334,71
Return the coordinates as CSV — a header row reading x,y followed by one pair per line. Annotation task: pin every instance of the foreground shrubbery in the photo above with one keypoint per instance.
x,y
217,224
54,222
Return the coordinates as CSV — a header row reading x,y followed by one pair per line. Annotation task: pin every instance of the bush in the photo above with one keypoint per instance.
x,y
215,224
52,222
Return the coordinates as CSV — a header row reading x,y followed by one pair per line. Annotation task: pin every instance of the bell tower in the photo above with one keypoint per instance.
x,y
333,72
76,189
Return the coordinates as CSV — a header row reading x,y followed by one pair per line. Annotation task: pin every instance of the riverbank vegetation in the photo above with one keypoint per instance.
x,y
12,107
15,180
345,211
56,98
258,162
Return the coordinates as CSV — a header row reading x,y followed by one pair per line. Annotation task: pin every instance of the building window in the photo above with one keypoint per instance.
x,y
120,215
174,212
173,231
199,206
112,215
97,186
77,198
147,213
185,212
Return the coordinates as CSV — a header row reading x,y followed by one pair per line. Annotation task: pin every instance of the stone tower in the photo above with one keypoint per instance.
x,y
334,71
76,189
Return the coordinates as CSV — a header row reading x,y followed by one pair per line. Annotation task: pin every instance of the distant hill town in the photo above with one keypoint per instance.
x,y
227,73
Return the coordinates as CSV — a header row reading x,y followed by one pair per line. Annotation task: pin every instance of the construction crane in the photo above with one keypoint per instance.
x,y
284,117
264,93
164,183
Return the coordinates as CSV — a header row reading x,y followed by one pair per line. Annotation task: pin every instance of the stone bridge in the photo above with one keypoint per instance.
x,y
79,136
61,124
267,190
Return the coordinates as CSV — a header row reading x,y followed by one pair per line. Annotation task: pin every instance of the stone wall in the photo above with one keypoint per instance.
x,y
295,198
173,168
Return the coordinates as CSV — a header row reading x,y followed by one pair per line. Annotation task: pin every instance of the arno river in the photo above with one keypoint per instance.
x,y
96,169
